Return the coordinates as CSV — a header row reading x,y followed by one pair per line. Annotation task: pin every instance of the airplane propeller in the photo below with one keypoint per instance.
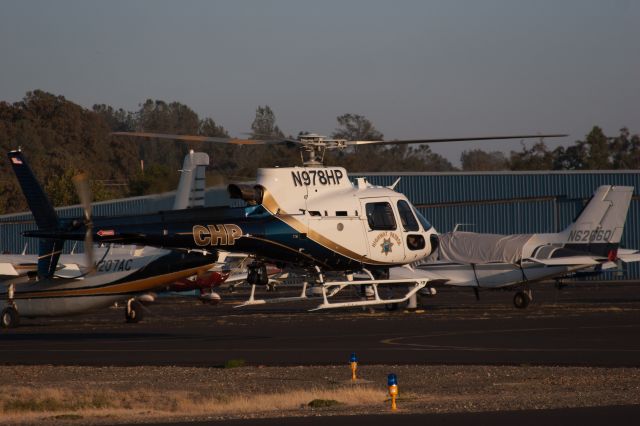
x,y
81,183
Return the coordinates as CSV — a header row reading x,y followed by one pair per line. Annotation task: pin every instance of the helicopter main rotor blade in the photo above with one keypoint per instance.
x,y
197,138
482,138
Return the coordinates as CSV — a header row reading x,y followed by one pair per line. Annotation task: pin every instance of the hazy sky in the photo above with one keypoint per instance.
x,y
414,68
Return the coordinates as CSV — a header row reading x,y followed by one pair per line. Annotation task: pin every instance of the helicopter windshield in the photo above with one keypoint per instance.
x,y
425,223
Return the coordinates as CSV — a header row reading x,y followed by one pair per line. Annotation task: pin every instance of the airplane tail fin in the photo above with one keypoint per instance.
x,y
190,191
43,212
598,228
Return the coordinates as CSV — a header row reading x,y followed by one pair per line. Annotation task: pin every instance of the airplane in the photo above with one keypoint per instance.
x,y
489,261
52,284
309,217
229,270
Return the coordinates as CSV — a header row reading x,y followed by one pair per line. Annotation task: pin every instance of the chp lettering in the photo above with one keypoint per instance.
x,y
216,235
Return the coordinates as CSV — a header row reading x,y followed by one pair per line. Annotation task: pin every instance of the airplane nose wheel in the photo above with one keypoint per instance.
x,y
10,317
522,299
134,312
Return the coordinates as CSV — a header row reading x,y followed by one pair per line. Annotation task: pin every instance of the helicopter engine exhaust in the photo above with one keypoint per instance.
x,y
250,194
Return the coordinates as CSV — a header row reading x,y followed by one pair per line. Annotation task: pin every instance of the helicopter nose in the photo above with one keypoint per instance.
x,y
435,242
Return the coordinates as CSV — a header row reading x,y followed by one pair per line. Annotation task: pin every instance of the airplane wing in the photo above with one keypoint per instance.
x,y
234,278
629,255
568,261
422,271
14,266
17,265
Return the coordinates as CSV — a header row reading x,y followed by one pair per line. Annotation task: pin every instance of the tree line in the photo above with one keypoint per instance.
x,y
61,139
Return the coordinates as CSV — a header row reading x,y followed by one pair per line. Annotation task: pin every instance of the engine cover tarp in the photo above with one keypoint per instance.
x,y
471,247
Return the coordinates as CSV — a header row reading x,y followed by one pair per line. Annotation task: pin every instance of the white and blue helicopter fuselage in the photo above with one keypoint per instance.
x,y
318,214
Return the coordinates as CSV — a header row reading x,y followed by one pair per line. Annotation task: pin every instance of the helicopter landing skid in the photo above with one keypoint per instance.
x,y
330,289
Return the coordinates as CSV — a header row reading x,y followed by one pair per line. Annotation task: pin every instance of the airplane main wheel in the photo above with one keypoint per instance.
x,y
521,300
10,317
134,313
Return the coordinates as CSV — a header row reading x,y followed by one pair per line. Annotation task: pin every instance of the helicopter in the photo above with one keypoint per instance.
x,y
309,217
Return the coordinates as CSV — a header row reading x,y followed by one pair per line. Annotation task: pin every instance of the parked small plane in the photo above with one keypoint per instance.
x,y
52,284
229,270
486,261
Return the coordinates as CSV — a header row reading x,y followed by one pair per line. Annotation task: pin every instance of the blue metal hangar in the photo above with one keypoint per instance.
x,y
492,202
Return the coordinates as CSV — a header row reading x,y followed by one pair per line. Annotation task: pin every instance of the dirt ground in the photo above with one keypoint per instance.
x,y
99,395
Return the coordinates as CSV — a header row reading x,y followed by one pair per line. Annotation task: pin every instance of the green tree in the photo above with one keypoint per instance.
x,y
573,157
538,157
264,124
356,128
625,150
58,135
118,120
598,150
162,117
62,192
479,160
156,178
377,158
208,127
595,152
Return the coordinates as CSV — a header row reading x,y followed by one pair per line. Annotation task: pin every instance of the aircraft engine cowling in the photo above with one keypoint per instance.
x,y
250,194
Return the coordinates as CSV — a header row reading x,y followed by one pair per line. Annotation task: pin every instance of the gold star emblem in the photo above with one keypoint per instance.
x,y
386,246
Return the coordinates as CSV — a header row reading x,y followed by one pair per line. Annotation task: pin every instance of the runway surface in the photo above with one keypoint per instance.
x,y
584,324
619,415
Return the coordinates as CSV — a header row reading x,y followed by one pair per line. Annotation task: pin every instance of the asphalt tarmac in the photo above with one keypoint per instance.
x,y
582,324
618,415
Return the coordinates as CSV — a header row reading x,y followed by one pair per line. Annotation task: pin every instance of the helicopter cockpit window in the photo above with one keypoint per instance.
x,y
409,222
425,223
380,216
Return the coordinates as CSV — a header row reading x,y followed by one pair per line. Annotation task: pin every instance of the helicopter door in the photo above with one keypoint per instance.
x,y
383,230
415,243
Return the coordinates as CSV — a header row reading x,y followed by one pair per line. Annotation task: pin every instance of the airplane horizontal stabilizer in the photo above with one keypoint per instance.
x,y
70,270
7,269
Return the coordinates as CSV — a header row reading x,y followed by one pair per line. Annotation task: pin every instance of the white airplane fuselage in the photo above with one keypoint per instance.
x,y
121,273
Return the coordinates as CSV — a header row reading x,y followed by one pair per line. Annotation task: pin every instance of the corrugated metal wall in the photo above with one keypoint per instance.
x,y
513,202
495,202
